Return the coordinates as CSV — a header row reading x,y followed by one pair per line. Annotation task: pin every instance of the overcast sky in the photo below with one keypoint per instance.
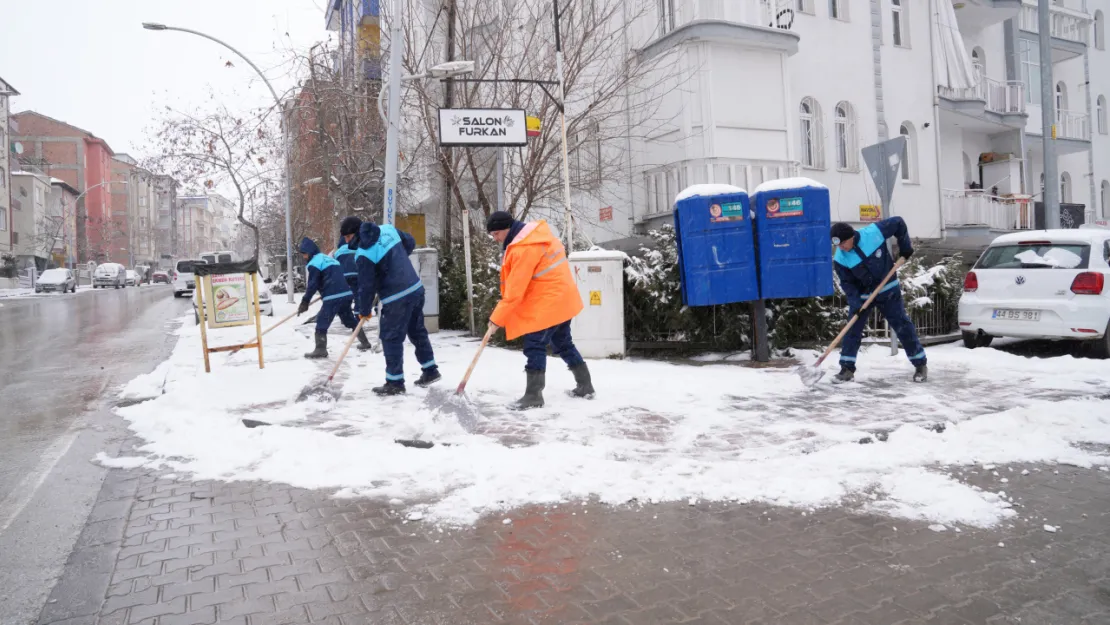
x,y
90,63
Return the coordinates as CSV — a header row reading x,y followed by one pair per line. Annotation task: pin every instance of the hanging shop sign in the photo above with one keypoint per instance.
x,y
482,127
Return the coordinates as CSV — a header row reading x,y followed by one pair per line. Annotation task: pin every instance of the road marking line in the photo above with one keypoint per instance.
x,y
22,494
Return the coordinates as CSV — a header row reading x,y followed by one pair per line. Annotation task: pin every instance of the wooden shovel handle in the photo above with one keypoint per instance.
x,y
346,348
851,322
473,363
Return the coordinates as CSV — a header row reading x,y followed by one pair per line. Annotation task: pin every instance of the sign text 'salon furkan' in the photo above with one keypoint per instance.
x,y
486,127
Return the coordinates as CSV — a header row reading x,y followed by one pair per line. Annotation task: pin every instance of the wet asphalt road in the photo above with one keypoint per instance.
x,y
60,357
59,354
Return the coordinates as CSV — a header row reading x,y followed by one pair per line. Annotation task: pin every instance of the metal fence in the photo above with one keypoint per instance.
x,y
936,320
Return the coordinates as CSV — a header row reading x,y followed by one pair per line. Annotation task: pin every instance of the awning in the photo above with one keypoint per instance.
x,y
954,67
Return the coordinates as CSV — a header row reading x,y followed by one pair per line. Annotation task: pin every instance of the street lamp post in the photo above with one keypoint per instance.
x,y
284,140
443,71
87,189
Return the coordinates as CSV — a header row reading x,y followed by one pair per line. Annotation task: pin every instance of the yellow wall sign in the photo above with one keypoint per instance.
x,y
595,298
869,212
532,125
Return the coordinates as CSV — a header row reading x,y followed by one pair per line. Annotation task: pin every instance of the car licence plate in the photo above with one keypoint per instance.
x,y
1009,314
191,285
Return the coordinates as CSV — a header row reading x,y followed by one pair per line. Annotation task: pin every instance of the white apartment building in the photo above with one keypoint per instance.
x,y
753,101
752,90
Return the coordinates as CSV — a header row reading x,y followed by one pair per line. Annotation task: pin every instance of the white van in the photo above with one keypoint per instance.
x,y
183,279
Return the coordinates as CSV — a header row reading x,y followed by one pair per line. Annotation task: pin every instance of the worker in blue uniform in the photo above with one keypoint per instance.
x,y
384,269
326,276
861,261
345,254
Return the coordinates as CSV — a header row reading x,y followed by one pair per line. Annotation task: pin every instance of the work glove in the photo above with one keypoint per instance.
x,y
302,308
364,317
906,254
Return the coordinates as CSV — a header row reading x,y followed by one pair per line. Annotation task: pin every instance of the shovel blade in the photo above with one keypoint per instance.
x,y
454,404
810,375
322,391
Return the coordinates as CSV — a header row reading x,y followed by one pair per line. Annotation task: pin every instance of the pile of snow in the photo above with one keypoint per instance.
x,y
787,184
656,432
146,386
707,190
1055,257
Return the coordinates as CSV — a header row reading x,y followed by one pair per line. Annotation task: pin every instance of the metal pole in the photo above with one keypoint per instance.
x,y
567,217
392,147
285,146
500,179
469,277
761,347
1048,117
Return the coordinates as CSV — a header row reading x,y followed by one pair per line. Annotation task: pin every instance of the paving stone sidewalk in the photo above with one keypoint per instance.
x,y
164,552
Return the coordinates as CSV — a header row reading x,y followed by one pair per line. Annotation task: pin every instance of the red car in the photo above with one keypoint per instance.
x,y
160,277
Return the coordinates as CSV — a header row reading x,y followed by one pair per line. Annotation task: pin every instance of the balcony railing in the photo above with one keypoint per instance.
x,y
664,183
770,13
976,208
1069,24
1072,125
1004,97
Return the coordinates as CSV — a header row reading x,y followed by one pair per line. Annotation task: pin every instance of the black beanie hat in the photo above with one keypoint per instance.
x,y
500,220
841,232
349,225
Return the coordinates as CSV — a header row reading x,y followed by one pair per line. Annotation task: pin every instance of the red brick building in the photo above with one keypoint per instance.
x,y
84,161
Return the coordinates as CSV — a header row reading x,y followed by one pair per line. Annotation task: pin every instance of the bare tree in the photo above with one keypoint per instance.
x,y
217,148
49,232
612,95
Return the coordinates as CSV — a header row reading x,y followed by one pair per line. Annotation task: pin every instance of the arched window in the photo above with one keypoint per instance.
x,y
979,59
1065,188
1100,115
1105,198
1100,30
909,153
846,150
812,134
1061,99
899,33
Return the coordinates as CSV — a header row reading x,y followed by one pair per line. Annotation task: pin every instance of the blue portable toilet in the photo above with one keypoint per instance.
x,y
716,253
792,220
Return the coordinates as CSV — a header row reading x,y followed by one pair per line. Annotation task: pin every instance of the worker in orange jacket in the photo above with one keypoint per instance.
x,y
538,300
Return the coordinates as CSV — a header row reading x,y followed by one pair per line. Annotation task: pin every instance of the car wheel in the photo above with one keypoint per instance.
x,y
1101,347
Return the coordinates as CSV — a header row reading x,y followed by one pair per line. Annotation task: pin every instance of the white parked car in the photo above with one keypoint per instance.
x,y
133,278
184,281
1044,284
57,281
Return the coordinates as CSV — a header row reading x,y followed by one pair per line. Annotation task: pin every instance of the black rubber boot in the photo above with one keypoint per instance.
x,y
429,376
363,342
845,375
390,388
533,392
321,350
583,386
921,373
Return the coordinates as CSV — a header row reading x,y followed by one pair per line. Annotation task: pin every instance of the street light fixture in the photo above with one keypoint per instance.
x,y
285,145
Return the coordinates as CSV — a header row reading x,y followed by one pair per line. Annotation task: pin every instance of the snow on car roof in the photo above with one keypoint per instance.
x,y
1062,235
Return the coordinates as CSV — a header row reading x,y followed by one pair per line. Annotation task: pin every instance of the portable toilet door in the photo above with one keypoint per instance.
x,y
792,219
716,255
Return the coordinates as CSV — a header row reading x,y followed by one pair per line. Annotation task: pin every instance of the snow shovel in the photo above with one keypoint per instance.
x,y
456,402
324,389
291,315
812,375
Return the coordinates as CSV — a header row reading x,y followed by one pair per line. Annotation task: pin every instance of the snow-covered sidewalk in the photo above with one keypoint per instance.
x,y
656,431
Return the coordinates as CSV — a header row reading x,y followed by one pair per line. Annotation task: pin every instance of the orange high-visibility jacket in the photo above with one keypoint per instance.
x,y
537,289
